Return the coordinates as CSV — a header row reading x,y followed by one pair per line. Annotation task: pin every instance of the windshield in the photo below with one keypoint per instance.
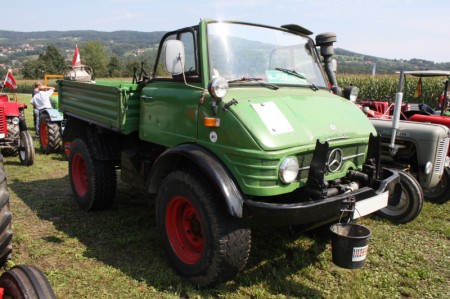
x,y
251,54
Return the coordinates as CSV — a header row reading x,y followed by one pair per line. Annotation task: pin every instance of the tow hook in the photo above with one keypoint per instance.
x,y
348,206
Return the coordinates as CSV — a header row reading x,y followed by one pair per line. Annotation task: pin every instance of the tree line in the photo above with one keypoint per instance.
x,y
94,54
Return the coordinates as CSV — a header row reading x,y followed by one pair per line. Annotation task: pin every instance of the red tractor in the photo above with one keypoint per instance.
x,y
14,136
423,112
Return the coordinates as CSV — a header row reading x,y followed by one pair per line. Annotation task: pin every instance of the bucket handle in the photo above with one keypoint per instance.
x,y
349,206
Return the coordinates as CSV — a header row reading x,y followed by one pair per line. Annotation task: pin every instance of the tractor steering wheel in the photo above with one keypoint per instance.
x,y
425,109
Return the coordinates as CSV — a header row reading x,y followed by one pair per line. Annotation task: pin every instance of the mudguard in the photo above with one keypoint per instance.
x,y
210,165
54,114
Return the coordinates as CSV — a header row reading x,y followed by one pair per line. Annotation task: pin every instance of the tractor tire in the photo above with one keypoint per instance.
x,y
440,193
5,218
23,282
26,148
202,241
410,203
13,132
49,135
93,182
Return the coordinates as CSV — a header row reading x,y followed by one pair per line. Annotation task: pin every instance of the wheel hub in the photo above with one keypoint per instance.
x,y
184,230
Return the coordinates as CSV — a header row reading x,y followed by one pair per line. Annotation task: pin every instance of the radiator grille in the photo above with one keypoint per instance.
x,y
3,125
440,156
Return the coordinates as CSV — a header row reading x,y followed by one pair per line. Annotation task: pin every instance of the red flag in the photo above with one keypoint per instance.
x,y
76,57
10,82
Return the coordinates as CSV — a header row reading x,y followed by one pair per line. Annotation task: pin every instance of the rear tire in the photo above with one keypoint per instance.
x,y
22,282
440,193
93,182
5,218
26,148
410,204
202,241
49,135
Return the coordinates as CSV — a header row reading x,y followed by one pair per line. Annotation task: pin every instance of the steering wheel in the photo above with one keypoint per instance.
x,y
424,108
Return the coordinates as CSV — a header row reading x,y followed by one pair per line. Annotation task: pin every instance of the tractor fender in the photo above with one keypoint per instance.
x,y
208,164
22,125
54,114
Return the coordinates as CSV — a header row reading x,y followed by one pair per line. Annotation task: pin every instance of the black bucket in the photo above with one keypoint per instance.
x,y
349,244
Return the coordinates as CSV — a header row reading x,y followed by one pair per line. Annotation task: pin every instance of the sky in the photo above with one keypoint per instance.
x,y
394,29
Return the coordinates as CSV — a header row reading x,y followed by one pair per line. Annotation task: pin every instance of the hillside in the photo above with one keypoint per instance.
x,y
18,47
355,63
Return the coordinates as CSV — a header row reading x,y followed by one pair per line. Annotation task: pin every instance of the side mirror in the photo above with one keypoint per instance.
x,y
174,62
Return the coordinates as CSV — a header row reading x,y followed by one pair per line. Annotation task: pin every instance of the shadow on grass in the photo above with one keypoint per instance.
x,y
125,237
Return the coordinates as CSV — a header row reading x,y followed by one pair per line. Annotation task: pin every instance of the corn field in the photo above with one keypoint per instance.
x,y
384,87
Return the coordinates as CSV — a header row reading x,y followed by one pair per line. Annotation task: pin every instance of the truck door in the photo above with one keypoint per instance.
x,y
169,107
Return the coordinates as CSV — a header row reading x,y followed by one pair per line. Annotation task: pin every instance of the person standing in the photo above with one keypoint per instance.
x,y
41,100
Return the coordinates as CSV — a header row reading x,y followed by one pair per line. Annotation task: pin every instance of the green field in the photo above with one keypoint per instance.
x,y
117,253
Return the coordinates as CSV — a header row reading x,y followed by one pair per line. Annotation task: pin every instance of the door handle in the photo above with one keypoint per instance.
x,y
144,97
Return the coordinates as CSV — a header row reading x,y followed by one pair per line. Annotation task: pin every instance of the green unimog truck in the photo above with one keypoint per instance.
x,y
235,127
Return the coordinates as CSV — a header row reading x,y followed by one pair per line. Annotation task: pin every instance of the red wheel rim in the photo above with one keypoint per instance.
x,y
79,177
43,133
184,230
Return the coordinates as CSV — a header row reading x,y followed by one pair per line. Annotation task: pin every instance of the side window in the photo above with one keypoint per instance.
x,y
190,66
189,51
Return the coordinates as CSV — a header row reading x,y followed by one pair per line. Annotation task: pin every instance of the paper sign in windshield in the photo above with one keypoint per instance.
x,y
275,77
273,118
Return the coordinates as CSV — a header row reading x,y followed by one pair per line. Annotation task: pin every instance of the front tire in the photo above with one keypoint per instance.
x,y
13,133
410,203
440,193
21,282
202,241
49,135
26,148
93,182
5,218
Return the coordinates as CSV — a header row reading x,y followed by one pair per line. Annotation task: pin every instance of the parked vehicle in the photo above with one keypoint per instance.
x,y
226,133
21,281
48,123
15,139
420,149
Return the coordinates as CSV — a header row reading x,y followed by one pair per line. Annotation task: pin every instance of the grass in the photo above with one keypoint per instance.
x,y
117,253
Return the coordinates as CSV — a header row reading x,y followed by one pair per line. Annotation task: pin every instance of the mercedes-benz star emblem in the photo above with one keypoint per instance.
x,y
334,160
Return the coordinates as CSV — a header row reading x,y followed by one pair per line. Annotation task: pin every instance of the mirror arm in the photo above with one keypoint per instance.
x,y
202,97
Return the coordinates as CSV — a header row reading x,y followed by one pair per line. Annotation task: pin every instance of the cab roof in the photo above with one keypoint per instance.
x,y
428,73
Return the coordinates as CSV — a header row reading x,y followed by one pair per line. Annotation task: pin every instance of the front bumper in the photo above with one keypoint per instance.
x,y
325,210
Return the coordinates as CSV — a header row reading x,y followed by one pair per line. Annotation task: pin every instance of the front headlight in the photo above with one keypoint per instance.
x,y
288,170
428,167
218,87
15,120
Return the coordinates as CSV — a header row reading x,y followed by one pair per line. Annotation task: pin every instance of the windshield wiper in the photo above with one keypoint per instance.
x,y
245,79
298,75
254,79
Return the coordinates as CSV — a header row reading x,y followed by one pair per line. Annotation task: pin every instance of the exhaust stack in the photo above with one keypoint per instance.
x,y
325,42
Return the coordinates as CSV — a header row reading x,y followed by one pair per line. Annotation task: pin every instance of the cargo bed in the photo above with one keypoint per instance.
x,y
111,104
